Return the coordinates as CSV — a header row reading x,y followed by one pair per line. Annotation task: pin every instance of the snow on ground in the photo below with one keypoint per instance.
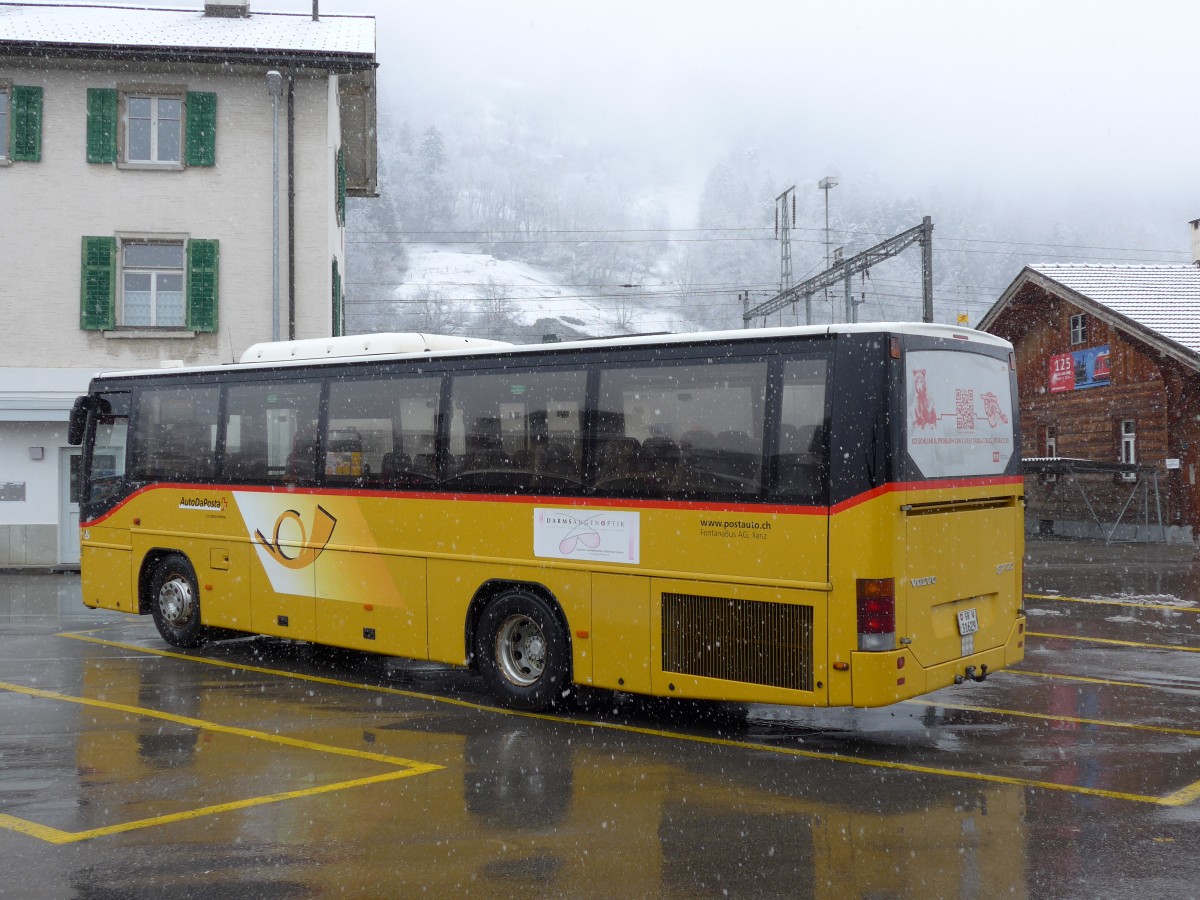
x,y
535,293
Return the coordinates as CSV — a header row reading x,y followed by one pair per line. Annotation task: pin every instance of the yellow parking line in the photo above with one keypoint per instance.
x,y
407,767
1114,641
1059,676
1184,797
1055,717
1100,602
660,733
59,836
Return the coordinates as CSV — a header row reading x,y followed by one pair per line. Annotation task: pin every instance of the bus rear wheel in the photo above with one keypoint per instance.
x,y
522,651
175,602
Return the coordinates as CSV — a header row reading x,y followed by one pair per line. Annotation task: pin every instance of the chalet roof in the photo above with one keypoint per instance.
x,y
1160,303
86,29
1165,299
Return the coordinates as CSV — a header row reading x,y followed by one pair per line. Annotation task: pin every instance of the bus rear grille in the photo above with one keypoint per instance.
x,y
738,640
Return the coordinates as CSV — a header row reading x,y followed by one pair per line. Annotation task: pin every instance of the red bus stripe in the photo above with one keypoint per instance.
x,y
617,502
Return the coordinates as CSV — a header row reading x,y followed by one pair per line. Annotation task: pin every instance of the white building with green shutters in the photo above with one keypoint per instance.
x,y
173,189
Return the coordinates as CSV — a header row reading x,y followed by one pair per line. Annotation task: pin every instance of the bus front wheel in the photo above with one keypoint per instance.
x,y
175,602
522,651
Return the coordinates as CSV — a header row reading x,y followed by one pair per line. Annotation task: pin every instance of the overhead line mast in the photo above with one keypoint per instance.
x,y
845,269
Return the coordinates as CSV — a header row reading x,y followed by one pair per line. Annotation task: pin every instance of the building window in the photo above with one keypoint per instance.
x,y
161,128
153,128
149,281
1078,329
1128,441
1052,441
152,284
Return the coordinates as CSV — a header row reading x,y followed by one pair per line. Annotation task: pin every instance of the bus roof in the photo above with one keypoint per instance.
x,y
378,347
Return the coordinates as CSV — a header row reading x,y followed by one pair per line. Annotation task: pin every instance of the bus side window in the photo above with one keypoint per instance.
x,y
377,427
517,430
176,433
262,420
697,424
800,466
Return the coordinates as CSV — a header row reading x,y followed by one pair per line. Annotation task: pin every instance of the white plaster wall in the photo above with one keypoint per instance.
x,y
40,476
47,207
318,237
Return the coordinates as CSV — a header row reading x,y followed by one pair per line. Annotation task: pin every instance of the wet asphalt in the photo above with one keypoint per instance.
x,y
260,768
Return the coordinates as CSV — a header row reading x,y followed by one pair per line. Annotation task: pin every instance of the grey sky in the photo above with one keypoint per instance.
x,y
1052,97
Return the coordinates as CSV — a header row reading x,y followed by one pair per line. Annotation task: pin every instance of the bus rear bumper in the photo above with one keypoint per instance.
x,y
879,679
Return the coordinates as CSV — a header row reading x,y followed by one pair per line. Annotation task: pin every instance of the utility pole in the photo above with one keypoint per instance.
x,y
826,184
783,233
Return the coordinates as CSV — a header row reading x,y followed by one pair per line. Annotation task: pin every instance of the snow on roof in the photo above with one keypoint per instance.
x,y
187,29
1163,298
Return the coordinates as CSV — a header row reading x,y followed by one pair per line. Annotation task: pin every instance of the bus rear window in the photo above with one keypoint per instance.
x,y
959,419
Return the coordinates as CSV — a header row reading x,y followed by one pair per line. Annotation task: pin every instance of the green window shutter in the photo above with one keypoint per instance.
x,y
98,281
341,186
203,263
102,125
26,123
339,306
201,146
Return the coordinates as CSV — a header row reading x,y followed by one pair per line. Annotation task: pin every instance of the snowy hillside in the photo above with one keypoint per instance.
x,y
446,289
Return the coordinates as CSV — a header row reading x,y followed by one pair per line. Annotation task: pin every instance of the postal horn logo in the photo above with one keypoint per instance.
x,y
296,554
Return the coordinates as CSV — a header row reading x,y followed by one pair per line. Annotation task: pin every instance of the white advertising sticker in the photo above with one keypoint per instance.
x,y
587,534
959,413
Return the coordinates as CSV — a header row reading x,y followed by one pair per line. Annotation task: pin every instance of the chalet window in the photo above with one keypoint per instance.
x,y
1128,441
1078,329
20,123
155,128
142,283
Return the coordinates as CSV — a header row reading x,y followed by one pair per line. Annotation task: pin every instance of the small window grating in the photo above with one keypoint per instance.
x,y
738,640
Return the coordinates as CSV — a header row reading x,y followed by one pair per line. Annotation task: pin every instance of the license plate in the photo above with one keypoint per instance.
x,y
968,622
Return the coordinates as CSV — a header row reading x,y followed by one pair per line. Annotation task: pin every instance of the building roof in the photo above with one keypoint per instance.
x,y
1161,303
86,29
1162,298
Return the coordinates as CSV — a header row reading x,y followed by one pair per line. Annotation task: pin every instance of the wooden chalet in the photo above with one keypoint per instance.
x,y
1108,361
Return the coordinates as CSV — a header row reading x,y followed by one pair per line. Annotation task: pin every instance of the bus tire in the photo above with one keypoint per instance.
x,y
522,651
175,602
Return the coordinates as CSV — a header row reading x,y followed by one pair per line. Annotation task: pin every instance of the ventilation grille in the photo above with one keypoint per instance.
x,y
738,640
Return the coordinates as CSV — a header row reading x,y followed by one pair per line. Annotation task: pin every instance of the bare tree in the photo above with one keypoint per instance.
x,y
624,317
433,312
497,318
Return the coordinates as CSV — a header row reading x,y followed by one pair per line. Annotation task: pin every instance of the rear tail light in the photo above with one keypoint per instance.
x,y
876,613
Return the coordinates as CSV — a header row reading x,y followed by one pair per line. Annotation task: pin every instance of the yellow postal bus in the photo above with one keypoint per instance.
x,y
814,516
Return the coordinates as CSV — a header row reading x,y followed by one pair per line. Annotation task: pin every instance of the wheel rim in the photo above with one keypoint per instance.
x,y
176,602
521,650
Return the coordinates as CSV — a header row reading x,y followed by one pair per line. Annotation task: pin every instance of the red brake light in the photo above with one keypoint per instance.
x,y
876,613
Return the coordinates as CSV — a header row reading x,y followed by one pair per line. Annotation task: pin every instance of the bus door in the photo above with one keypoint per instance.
x,y
286,523
962,517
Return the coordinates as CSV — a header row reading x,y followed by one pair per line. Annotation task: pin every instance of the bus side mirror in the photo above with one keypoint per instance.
x,y
78,422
